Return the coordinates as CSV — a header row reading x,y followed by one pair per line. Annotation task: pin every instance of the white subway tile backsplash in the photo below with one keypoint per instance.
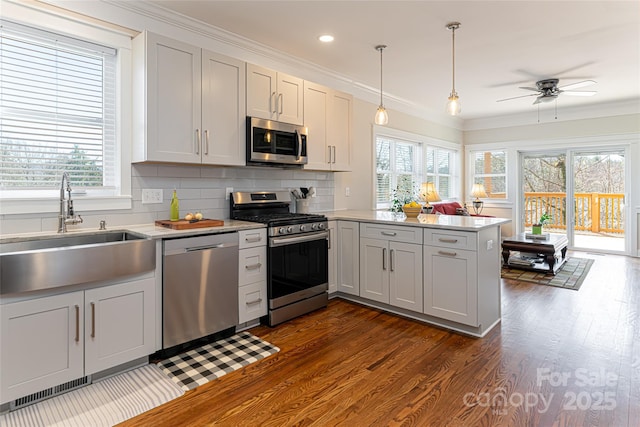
x,y
200,188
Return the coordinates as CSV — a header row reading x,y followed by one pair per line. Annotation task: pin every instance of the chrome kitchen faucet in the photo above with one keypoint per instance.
x,y
66,215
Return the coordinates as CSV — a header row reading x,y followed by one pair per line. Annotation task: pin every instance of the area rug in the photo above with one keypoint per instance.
x,y
103,403
203,364
569,276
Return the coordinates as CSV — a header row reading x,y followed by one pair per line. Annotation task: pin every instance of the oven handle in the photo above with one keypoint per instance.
x,y
282,241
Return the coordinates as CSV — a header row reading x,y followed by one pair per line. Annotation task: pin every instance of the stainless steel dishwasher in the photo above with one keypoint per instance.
x,y
200,287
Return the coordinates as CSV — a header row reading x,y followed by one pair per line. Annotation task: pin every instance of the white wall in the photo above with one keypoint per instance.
x,y
361,179
594,133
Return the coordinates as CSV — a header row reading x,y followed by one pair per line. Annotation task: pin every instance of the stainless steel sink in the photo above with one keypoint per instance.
x,y
34,264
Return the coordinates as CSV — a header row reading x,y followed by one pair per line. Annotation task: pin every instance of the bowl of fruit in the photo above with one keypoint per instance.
x,y
412,209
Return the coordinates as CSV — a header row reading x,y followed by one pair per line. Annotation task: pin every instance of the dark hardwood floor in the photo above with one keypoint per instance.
x,y
559,358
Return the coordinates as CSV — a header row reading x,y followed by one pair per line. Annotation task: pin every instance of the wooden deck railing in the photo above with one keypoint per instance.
x,y
594,212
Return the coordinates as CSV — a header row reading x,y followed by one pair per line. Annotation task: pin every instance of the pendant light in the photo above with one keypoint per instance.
x,y
453,105
382,118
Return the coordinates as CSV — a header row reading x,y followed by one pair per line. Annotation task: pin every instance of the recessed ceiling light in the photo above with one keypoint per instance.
x,y
326,38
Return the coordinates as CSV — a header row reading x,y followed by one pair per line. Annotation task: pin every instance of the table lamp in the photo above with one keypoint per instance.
x,y
429,194
478,191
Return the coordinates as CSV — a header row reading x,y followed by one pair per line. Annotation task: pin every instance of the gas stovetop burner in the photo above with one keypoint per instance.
x,y
282,218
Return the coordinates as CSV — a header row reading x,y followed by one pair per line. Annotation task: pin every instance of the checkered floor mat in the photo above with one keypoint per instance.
x,y
203,364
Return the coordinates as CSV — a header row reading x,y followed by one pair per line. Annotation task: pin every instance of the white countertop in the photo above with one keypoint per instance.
x,y
450,222
150,230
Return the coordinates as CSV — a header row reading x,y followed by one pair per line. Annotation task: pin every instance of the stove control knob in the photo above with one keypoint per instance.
x,y
314,226
289,229
321,226
303,227
282,230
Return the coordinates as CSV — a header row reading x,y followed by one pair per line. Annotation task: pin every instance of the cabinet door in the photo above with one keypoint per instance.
x,y
333,257
119,324
348,257
450,290
405,276
262,95
173,115
374,269
223,110
252,301
316,119
252,265
290,106
41,344
340,131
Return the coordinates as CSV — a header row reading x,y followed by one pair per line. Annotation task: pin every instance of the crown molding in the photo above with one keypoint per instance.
x,y
248,50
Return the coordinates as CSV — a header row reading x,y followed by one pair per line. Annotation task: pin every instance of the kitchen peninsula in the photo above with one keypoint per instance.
x,y
440,269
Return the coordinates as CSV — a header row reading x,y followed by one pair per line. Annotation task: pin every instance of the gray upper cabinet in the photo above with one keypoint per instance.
x,y
188,104
327,115
274,96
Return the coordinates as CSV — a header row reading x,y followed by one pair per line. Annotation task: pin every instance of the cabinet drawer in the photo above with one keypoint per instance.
x,y
451,239
252,264
390,232
252,238
252,301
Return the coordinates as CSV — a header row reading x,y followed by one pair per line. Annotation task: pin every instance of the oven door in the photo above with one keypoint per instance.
x,y
298,268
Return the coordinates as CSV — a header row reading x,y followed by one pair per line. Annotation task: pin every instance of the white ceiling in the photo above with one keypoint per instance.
x,y
500,46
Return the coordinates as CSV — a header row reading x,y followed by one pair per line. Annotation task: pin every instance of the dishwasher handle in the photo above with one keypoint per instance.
x,y
206,247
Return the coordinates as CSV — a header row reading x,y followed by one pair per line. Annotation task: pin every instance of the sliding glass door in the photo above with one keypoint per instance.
x,y
599,188
544,190
582,191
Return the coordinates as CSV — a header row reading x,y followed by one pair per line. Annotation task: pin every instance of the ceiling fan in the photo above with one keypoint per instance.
x,y
548,90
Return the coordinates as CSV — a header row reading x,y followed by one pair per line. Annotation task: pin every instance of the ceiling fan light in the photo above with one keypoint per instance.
x,y
453,105
382,118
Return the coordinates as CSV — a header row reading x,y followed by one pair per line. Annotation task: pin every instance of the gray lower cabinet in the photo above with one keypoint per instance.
x,y
54,339
391,265
252,275
348,259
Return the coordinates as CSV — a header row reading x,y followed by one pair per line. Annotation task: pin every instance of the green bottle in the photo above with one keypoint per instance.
x,y
175,207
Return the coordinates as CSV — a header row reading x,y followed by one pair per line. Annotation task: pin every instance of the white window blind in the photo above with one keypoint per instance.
x,y
57,110
440,170
399,170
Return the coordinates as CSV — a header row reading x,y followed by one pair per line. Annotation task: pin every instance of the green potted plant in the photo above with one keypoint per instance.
x,y
537,228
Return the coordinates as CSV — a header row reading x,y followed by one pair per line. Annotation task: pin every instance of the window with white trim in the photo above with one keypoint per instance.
x,y
490,170
57,112
403,164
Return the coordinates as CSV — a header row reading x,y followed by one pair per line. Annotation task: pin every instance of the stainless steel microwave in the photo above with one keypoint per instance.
x,y
275,143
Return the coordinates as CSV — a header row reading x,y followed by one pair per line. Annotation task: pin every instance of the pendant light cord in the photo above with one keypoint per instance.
x,y
380,48
453,59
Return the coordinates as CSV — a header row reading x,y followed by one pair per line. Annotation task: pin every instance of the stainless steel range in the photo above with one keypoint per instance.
x,y
297,255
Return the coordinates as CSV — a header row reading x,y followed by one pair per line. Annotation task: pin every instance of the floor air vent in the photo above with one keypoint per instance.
x,y
50,392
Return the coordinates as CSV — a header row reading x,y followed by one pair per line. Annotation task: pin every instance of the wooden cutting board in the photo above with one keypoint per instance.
x,y
183,224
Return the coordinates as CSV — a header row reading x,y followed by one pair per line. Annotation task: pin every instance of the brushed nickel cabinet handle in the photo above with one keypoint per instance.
x,y
447,253
274,101
448,240
93,320
388,233
281,103
384,258
257,301
197,141
253,266
206,142
391,260
252,239
77,339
